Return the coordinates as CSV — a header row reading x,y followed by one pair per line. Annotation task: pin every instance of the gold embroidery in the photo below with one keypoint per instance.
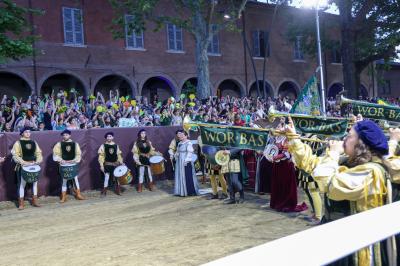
x,y
68,148
111,150
28,146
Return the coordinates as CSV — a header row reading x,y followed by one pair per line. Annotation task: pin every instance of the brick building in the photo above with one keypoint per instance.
x,y
77,50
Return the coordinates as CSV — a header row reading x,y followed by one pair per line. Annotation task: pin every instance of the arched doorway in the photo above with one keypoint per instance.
x,y
158,88
189,86
229,87
253,89
334,90
113,82
13,85
64,82
289,89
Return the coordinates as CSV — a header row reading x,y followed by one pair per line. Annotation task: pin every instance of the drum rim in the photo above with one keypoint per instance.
x,y
68,164
27,167
156,156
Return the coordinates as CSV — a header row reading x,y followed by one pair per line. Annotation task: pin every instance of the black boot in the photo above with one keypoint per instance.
x,y
241,200
231,199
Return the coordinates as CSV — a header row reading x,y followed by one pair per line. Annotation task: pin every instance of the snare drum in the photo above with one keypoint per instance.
x,y
68,171
157,165
30,173
123,174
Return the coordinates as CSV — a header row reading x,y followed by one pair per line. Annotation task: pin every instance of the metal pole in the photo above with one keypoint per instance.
x,y
321,70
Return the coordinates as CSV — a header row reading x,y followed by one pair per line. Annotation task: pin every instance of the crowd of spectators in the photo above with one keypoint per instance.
x,y
68,110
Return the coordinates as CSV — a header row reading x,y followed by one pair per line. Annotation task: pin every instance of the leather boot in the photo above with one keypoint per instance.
x,y
78,195
103,192
118,189
20,204
139,188
35,201
63,197
151,186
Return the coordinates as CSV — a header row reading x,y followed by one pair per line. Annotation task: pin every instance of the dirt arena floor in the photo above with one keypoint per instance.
x,y
150,228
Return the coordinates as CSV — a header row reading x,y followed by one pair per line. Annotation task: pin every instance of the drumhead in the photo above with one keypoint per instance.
x,y
120,170
31,168
270,151
156,159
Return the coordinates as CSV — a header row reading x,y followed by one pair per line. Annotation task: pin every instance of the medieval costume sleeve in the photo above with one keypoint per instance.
x,y
16,152
119,153
38,154
135,151
57,157
363,184
392,162
78,153
102,155
172,148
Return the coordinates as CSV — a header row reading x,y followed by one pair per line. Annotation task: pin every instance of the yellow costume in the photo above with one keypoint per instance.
x,y
364,186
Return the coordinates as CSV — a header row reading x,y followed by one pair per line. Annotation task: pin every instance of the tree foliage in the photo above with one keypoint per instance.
x,y
369,31
15,31
203,19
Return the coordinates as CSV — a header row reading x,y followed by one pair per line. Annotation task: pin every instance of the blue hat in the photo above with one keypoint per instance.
x,y
108,133
372,135
66,131
23,130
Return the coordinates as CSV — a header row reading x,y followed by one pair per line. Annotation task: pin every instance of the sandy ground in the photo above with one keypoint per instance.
x,y
150,228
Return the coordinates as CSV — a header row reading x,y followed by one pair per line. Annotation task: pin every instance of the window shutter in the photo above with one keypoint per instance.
x,y
179,39
78,26
266,41
256,43
68,25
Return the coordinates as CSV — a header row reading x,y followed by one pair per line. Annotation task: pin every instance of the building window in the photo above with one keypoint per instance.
x,y
133,39
260,44
213,48
336,56
175,42
73,26
298,49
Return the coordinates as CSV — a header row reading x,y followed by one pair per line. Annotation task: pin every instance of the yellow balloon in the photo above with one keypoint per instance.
x,y
133,102
122,99
192,96
115,106
99,109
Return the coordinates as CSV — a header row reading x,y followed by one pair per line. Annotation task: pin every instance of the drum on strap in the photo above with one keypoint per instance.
x,y
30,173
157,164
68,171
270,151
123,174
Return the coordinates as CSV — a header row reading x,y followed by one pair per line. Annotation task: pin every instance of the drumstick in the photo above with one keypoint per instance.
x,y
172,163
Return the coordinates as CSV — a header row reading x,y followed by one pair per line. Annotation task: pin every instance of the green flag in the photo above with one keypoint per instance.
x,y
309,101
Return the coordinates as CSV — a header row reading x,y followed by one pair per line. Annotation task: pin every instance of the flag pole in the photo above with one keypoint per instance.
x,y
320,61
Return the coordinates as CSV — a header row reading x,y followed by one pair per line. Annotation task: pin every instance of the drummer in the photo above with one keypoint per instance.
x,y
173,145
68,152
26,152
142,151
110,156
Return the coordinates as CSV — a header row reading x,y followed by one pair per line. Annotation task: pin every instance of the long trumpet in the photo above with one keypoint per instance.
x,y
188,125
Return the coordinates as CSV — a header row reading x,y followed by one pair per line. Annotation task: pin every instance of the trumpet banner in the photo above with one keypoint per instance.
x,y
320,126
234,137
376,111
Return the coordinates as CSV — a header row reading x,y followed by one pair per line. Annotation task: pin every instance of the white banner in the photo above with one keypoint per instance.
x,y
127,122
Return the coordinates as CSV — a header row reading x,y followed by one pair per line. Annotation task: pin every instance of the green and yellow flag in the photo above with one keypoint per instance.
x,y
309,100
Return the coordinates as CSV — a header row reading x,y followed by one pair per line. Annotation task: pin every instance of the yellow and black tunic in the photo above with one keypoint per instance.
x,y
110,156
67,151
142,151
24,151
